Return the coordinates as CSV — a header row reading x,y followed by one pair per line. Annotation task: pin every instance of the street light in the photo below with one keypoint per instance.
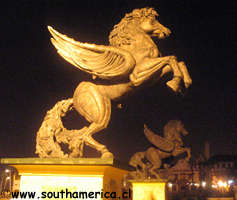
x,y
170,185
204,184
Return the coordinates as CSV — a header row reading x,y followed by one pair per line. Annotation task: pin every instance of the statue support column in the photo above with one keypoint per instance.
x,y
149,189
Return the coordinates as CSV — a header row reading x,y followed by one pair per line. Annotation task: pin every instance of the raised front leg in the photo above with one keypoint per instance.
x,y
150,66
174,84
180,150
186,76
188,150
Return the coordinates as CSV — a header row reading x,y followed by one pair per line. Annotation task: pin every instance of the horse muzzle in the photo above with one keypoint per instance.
x,y
161,33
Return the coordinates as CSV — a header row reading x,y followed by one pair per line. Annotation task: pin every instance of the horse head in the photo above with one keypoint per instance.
x,y
150,25
181,129
139,20
173,130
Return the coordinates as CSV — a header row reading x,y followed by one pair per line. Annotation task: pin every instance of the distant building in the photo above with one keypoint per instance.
x,y
219,168
218,171
207,150
185,175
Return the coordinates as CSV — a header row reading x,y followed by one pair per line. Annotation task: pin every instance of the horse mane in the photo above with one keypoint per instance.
x,y
123,32
171,128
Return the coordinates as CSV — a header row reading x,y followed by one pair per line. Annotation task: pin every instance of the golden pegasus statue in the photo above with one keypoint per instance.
x,y
131,59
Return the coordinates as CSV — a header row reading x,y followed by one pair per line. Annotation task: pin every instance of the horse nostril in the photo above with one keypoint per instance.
x,y
167,32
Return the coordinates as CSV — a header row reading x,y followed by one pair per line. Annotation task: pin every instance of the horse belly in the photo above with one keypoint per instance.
x,y
116,91
163,154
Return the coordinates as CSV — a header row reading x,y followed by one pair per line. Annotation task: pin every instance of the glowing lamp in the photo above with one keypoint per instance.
x,y
204,184
220,183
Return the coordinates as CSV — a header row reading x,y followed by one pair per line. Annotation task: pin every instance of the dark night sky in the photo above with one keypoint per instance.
x,y
34,77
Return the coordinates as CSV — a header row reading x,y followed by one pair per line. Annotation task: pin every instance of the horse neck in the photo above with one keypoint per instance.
x,y
171,136
136,35
142,47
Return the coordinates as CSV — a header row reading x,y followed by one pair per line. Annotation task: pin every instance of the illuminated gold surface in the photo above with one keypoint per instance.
x,y
67,169
56,161
148,190
56,184
131,60
54,177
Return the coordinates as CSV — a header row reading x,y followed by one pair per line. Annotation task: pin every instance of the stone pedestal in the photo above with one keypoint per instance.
x,y
80,178
220,198
149,190
235,192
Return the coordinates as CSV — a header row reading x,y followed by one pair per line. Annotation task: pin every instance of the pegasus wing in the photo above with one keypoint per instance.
x,y
160,142
106,62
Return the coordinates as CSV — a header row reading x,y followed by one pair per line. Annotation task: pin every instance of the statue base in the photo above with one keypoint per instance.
x,y
77,178
149,189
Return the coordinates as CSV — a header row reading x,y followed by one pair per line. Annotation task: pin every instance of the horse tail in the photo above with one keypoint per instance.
x,y
52,132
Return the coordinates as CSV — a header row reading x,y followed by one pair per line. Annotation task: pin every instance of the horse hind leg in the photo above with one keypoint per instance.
x,y
153,157
136,161
96,108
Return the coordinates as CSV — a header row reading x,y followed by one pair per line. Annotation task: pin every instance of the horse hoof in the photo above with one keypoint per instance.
x,y
107,155
173,85
187,83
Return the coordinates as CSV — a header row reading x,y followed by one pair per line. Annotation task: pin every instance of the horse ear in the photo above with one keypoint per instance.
x,y
154,13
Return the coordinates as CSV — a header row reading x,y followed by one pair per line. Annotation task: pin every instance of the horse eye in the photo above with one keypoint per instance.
x,y
153,21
